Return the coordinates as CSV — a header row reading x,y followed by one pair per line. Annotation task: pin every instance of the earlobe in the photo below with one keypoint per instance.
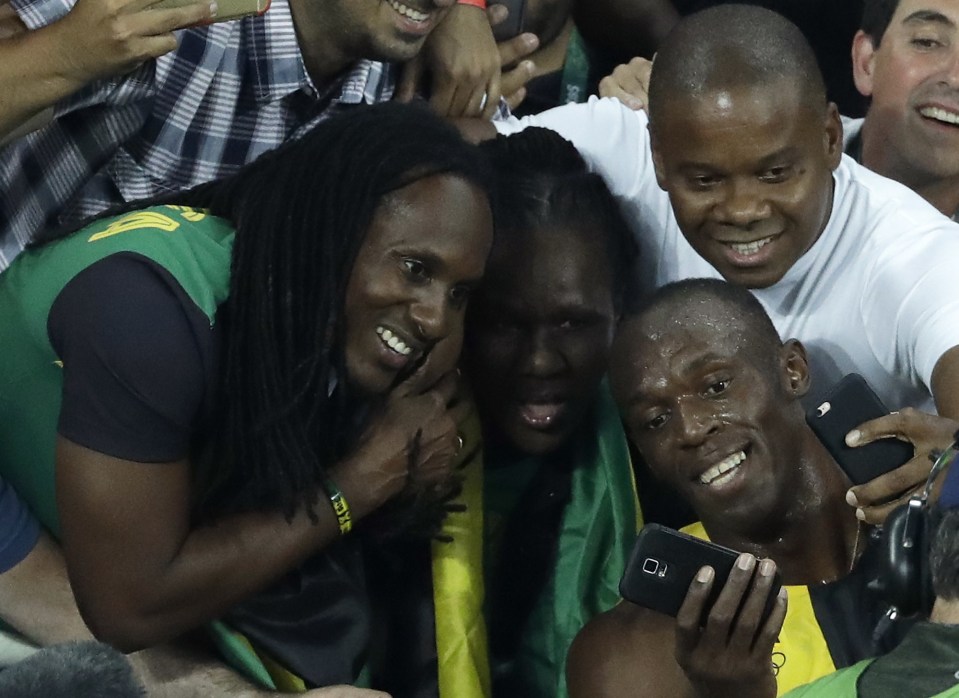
x,y
795,368
863,60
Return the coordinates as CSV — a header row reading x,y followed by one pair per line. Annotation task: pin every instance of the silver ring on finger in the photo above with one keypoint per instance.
x,y
483,100
459,442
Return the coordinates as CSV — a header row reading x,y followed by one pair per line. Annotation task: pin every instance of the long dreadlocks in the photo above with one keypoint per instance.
x,y
301,213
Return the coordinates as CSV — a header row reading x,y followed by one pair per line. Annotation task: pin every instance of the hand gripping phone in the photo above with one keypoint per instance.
x,y
664,563
850,403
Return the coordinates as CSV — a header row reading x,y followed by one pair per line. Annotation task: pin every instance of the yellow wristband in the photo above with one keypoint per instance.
x,y
340,506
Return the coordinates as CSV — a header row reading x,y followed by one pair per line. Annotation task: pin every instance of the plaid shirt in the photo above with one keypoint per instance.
x,y
228,93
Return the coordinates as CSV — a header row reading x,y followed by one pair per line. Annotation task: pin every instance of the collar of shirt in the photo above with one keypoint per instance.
x,y
276,62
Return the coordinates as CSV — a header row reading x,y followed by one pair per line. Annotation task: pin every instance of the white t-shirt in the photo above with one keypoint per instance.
x,y
874,294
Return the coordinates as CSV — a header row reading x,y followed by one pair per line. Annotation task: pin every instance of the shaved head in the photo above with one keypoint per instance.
x,y
711,306
731,47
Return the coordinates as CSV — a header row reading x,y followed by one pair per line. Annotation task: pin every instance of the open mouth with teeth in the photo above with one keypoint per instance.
x,y
408,12
747,249
394,343
943,116
723,471
541,414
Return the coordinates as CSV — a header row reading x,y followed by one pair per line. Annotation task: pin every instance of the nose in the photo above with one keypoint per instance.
x,y
743,203
951,77
695,421
431,315
543,356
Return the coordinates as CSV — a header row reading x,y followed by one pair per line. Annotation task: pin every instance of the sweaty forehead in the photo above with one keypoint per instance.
x,y
671,339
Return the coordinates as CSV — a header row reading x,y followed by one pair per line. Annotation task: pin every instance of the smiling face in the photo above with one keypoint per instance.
x,y
749,175
424,252
335,33
539,335
710,419
912,127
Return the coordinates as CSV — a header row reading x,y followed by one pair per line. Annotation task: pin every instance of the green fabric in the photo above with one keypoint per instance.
x,y
924,665
598,529
574,85
193,247
839,684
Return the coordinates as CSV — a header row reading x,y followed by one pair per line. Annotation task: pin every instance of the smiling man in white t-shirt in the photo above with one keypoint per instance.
x,y
740,174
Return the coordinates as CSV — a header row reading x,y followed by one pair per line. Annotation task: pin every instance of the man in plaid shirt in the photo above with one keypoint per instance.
x,y
226,94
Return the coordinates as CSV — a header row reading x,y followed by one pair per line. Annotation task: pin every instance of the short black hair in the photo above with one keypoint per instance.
x,y
876,16
764,340
944,555
733,46
541,181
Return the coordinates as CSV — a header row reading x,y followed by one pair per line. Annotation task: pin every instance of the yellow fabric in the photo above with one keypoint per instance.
x,y
463,662
801,654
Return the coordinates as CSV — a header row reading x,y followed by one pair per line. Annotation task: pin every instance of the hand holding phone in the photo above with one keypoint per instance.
x,y
663,566
925,434
849,404
729,608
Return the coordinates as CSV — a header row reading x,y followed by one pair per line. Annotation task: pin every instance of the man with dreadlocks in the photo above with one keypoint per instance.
x,y
225,382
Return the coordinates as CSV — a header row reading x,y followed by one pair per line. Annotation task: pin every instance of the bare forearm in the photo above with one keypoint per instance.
x,y
217,566
150,579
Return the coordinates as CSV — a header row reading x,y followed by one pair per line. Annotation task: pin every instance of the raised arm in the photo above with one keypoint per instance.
x,y
97,39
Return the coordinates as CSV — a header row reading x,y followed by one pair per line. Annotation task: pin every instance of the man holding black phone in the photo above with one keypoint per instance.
x,y
738,173
711,397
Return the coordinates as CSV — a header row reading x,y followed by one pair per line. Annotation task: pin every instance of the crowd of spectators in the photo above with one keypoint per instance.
x,y
348,345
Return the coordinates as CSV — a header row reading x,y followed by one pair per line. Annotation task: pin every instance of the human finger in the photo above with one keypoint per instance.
x,y
910,425
769,633
467,100
750,619
496,13
608,87
492,97
875,515
514,80
441,99
723,612
690,614
410,78
889,486
515,99
629,83
520,46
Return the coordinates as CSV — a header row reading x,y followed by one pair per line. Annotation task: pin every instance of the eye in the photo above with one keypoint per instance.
x,y
459,295
925,42
657,421
717,388
776,174
571,324
703,181
416,270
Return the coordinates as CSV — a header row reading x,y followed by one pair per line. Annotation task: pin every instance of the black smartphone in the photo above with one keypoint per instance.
x,y
513,24
664,563
850,403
